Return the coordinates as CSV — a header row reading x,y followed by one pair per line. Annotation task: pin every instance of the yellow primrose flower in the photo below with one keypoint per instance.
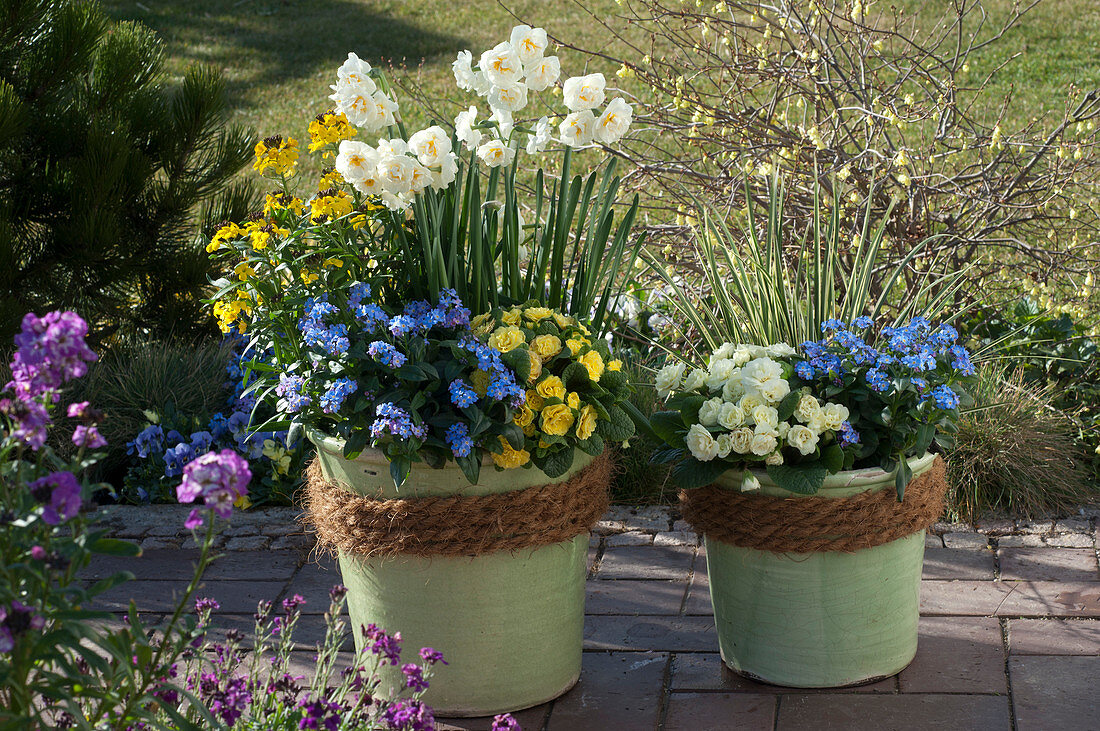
x,y
537,314
536,366
556,420
524,416
278,455
586,422
574,346
547,346
615,365
562,320
593,363
483,319
551,387
506,338
512,316
573,400
479,381
510,458
534,400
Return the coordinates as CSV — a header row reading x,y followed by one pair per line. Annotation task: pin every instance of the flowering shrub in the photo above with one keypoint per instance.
x,y
832,404
159,452
574,393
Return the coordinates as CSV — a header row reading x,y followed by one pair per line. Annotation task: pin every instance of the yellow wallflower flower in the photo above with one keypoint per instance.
x,y
308,277
276,154
506,338
329,129
333,262
510,458
556,419
593,363
225,233
586,422
551,387
547,346
244,271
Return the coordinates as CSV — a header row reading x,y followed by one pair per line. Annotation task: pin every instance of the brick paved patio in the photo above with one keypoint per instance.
x,y
1009,633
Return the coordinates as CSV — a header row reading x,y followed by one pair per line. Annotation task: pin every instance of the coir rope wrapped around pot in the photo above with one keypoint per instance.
x,y
813,523
461,525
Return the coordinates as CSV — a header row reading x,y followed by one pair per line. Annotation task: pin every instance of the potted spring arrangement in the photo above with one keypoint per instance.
x,y
445,358
807,462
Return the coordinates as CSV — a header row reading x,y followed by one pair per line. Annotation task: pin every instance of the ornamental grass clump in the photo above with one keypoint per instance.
x,y
1015,452
849,400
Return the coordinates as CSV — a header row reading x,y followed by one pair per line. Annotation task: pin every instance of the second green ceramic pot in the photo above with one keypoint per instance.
x,y
818,620
509,624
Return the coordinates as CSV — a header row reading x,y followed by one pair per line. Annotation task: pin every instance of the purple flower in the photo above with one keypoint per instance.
x,y
38,553
219,478
409,715
338,592
63,492
15,622
79,410
29,419
51,350
88,437
431,656
414,677
387,647
176,457
319,714
505,722
292,604
206,604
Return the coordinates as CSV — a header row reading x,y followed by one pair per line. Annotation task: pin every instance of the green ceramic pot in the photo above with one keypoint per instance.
x,y
510,624
818,620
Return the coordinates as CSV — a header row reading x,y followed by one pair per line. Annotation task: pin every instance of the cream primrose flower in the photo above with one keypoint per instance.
x,y
775,458
695,380
725,445
355,71
741,439
510,97
539,137
530,43
741,355
701,443
501,64
584,92
779,350
356,160
708,412
356,102
464,128
668,378
764,443
760,375
730,416
463,70
576,129
749,402
719,372
733,389
614,122
431,146
781,429
495,154
802,438
542,73
835,415
808,407
765,416
722,352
